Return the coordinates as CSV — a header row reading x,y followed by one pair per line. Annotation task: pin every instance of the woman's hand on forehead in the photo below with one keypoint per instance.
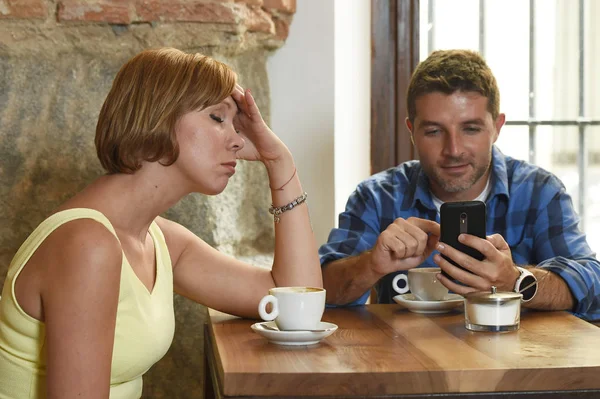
x,y
238,88
261,143
239,96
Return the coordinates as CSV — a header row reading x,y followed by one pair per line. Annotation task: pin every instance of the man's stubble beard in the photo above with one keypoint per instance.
x,y
457,185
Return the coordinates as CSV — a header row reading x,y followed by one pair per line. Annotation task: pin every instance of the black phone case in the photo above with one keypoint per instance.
x,y
462,217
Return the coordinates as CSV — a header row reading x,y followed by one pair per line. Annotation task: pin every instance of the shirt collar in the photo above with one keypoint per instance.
x,y
499,174
421,193
499,181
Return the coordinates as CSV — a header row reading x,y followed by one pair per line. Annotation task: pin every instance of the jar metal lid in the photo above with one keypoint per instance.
x,y
493,296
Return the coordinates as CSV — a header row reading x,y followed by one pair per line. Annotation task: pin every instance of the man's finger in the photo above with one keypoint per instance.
x,y
432,242
498,242
428,226
463,276
454,287
461,258
413,235
483,246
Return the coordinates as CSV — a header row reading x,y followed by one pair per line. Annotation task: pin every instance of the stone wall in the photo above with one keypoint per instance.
x,y
57,62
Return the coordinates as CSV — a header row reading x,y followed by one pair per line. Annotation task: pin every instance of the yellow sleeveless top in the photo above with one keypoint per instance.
x,y
143,334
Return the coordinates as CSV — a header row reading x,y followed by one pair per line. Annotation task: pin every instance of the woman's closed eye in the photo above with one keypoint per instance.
x,y
216,118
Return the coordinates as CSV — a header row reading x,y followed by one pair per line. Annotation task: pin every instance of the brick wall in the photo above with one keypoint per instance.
x,y
267,16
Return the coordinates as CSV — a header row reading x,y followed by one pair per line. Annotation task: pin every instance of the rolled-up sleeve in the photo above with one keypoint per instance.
x,y
357,232
562,248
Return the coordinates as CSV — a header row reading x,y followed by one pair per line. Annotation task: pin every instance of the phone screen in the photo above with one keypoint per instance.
x,y
462,217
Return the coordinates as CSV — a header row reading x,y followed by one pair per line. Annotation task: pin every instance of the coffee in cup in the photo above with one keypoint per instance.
x,y
294,308
422,283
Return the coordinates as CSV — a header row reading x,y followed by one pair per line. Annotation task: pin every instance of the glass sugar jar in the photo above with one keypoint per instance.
x,y
493,311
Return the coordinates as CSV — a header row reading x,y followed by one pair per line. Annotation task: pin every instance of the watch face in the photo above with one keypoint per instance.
x,y
529,292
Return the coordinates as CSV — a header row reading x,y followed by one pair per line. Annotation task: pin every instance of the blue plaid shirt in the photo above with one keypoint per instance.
x,y
527,205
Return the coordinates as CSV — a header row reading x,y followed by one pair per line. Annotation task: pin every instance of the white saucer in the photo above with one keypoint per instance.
x,y
294,337
414,305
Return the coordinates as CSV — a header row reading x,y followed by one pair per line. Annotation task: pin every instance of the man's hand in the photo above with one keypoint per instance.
x,y
404,244
496,268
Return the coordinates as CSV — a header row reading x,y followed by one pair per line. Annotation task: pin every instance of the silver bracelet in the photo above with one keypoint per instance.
x,y
276,211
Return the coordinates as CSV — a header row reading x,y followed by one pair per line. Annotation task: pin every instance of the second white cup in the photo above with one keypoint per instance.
x,y
422,283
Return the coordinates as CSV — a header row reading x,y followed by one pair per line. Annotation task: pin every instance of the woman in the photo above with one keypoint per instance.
x,y
87,306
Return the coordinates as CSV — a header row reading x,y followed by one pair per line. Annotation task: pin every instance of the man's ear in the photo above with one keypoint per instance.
x,y
409,126
498,123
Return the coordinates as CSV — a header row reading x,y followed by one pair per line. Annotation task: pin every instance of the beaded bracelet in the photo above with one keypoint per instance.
x,y
277,211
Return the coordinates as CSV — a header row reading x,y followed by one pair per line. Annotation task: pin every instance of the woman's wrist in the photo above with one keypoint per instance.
x,y
280,171
283,159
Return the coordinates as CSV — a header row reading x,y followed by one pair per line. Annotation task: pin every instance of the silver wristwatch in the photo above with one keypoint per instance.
x,y
526,284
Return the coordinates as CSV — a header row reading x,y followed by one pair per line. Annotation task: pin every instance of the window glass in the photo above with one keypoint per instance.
x,y
514,141
557,151
461,17
507,53
557,59
592,208
592,60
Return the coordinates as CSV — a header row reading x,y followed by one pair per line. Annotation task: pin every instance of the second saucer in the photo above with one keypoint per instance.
x,y
429,307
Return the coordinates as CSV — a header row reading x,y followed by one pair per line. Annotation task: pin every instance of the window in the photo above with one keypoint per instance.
x,y
545,55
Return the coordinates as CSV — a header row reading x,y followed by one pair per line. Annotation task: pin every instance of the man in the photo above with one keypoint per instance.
x,y
391,221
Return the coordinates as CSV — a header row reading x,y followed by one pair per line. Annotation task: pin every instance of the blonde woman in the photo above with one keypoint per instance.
x,y
87,306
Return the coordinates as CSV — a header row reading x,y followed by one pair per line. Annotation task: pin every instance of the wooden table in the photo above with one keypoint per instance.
x,y
386,351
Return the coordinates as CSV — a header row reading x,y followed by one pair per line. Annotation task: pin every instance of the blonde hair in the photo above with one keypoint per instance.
x,y
448,71
149,95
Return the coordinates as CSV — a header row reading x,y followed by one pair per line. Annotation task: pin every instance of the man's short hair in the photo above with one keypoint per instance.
x,y
449,71
149,95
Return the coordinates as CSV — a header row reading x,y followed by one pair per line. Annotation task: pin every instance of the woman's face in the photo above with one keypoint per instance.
x,y
208,144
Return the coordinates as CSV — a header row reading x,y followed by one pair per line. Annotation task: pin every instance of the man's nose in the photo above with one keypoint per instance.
x,y
452,144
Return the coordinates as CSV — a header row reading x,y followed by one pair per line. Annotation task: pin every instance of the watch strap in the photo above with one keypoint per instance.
x,y
526,284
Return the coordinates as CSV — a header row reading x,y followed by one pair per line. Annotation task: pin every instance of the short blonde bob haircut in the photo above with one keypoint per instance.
x,y
149,95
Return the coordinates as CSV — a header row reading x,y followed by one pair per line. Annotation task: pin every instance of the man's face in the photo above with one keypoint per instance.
x,y
453,135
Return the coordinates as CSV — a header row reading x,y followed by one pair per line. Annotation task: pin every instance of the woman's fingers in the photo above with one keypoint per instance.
x,y
252,109
239,96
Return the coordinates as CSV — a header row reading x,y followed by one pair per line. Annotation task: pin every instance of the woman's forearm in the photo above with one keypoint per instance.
x,y
296,260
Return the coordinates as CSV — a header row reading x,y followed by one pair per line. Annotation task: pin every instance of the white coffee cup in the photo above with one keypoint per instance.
x,y
294,308
422,283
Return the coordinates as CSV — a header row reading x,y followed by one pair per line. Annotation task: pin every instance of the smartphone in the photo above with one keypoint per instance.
x,y
462,217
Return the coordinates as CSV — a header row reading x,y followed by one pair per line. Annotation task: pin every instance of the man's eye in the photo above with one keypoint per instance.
x,y
472,129
431,132
216,118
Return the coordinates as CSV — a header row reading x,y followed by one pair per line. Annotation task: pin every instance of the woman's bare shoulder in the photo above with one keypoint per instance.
x,y
81,245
